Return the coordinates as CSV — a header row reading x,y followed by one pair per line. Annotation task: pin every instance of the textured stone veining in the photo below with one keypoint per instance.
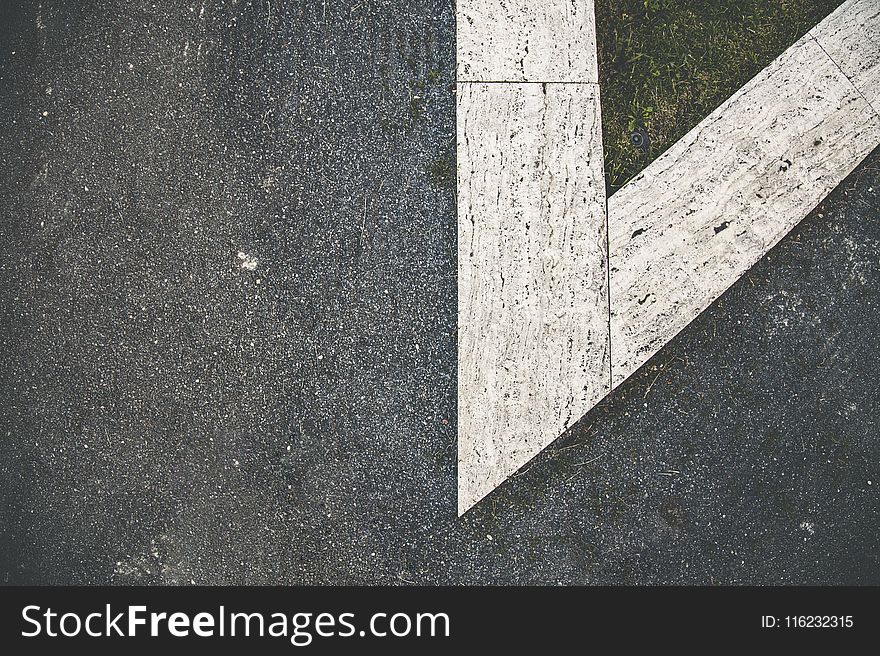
x,y
533,318
702,214
526,41
851,37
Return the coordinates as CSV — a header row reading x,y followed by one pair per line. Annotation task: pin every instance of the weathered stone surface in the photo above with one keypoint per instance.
x,y
851,37
532,295
526,41
702,214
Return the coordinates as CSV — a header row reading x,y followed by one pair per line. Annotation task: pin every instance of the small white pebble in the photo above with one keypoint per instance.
x,y
248,262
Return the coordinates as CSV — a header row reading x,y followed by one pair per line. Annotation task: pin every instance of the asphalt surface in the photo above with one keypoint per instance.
x,y
228,320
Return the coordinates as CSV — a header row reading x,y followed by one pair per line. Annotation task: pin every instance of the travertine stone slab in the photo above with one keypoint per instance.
x,y
851,37
532,275
526,41
702,214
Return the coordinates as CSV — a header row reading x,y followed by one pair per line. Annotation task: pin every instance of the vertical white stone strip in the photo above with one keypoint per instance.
x,y
526,41
533,322
532,246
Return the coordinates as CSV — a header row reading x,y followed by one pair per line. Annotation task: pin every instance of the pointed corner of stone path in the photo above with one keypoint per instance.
x,y
539,314
532,234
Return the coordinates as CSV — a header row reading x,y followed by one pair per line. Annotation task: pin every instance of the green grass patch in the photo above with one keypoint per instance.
x,y
664,65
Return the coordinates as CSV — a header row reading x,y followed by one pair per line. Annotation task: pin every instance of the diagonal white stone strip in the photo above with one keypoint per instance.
x,y
536,321
532,286
526,41
851,37
707,210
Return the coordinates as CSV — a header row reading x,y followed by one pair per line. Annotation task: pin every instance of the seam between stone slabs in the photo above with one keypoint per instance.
x,y
843,35
844,73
